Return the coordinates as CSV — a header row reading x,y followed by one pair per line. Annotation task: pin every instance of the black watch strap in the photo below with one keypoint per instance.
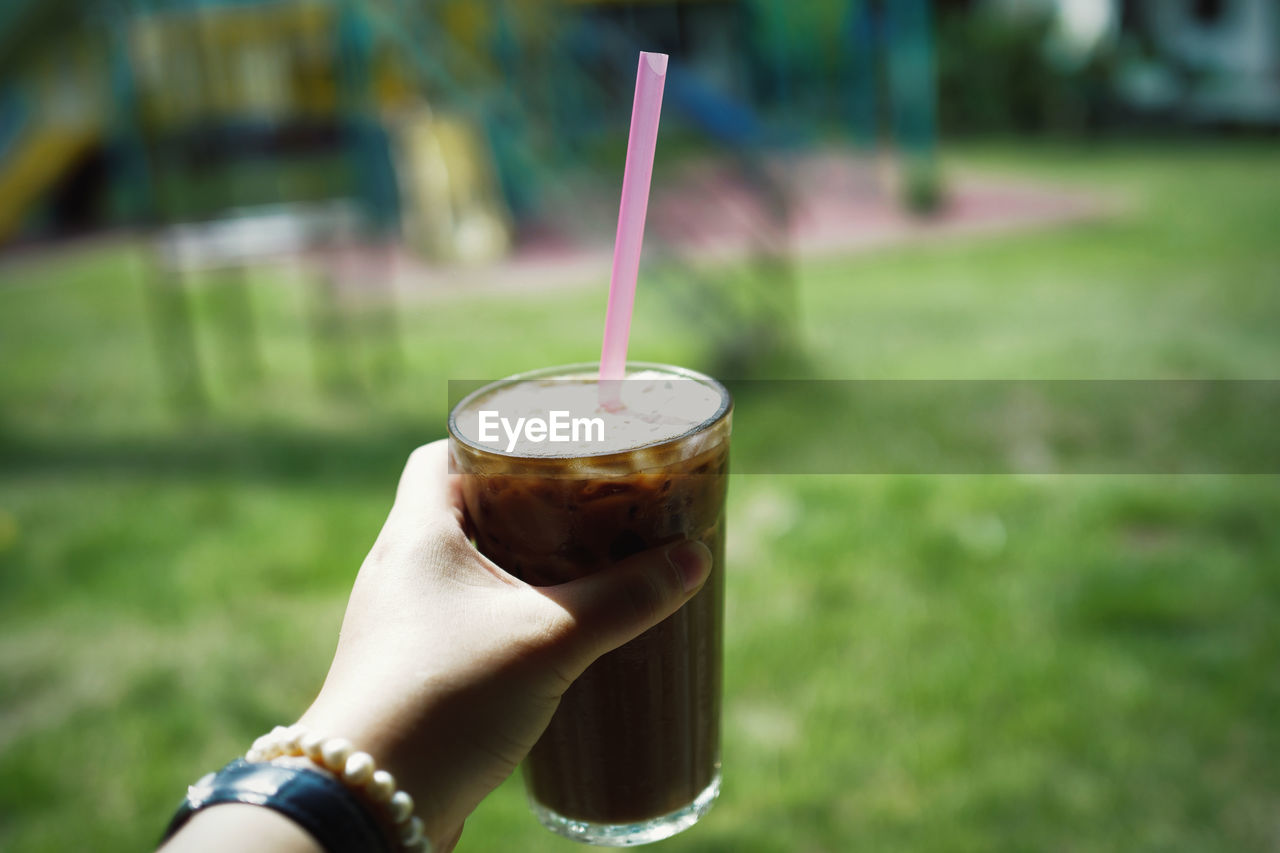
x,y
313,799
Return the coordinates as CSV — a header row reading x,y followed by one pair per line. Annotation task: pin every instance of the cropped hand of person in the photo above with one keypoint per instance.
x,y
448,669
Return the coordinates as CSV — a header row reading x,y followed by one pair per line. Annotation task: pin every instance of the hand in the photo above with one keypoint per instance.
x,y
448,668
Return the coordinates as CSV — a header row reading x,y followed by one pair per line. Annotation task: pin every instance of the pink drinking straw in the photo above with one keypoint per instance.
x,y
645,111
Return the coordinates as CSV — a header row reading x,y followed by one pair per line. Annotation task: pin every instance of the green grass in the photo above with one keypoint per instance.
x,y
914,663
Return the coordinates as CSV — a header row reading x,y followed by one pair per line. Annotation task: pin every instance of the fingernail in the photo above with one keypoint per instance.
x,y
692,560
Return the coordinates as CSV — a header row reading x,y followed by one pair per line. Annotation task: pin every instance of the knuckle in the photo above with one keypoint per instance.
x,y
422,458
424,451
414,540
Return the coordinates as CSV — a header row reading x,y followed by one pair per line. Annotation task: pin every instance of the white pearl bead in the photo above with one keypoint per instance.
x,y
412,831
335,751
310,744
358,769
290,740
381,786
275,741
201,789
401,806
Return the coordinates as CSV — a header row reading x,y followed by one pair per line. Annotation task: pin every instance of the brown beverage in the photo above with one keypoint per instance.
x,y
633,752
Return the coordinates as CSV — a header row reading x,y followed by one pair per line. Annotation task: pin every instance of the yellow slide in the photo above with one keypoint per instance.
x,y
453,210
35,162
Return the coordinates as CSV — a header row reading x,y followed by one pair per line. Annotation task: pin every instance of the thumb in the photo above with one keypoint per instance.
x,y
620,603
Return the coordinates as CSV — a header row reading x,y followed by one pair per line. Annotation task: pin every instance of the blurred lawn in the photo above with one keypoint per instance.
x,y
914,663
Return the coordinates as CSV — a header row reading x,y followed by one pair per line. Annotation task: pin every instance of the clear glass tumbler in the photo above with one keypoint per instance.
x,y
632,755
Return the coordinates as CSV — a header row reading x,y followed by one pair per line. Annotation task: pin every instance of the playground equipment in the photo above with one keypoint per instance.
x,y
232,104
238,129
46,127
470,106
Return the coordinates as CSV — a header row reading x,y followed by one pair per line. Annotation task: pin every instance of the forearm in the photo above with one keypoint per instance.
x,y
243,828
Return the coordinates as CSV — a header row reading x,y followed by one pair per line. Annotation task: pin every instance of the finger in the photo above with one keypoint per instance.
x,y
617,604
427,489
427,525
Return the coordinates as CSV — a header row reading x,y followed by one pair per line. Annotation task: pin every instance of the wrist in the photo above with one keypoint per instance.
x,y
373,789
333,813
427,741
376,726
386,734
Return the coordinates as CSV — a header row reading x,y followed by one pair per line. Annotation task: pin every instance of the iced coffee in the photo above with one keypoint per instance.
x,y
632,753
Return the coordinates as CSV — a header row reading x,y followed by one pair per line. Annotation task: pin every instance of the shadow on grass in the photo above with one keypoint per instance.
x,y
373,455
791,426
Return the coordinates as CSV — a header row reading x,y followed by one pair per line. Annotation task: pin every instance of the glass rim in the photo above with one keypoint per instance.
x,y
721,412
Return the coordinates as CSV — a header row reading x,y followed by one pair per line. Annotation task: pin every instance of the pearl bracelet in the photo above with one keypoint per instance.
x,y
357,770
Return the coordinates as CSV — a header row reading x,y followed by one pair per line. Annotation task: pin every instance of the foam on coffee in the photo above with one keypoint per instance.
x,y
656,407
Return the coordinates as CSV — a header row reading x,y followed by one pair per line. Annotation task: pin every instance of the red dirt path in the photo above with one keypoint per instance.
x,y
705,212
